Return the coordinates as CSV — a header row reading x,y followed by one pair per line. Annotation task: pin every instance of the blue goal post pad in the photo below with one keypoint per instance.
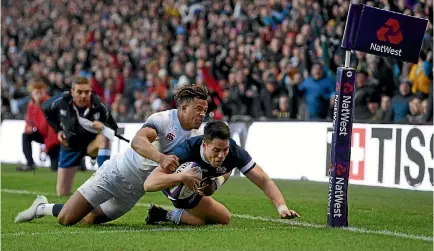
x,y
337,211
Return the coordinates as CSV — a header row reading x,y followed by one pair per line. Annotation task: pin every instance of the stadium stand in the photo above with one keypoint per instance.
x,y
260,59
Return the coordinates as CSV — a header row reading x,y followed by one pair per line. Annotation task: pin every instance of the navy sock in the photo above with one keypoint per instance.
x,y
103,155
56,209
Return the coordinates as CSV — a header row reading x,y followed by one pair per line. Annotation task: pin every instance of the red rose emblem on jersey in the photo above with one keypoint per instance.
x,y
170,136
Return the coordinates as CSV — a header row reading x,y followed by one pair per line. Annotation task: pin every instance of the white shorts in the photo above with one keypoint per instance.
x,y
108,189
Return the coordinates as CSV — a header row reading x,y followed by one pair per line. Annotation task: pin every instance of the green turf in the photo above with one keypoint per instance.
x,y
371,208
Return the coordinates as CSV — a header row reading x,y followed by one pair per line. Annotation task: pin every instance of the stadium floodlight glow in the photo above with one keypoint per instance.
x,y
374,31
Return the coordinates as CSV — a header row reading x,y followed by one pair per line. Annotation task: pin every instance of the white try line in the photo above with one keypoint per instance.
x,y
267,219
132,230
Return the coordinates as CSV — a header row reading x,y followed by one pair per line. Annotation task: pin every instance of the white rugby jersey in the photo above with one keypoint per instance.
x,y
169,135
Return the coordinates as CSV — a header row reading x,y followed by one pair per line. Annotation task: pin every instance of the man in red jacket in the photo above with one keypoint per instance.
x,y
37,129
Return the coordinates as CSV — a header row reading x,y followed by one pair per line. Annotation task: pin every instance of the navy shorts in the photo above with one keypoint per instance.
x,y
187,203
70,157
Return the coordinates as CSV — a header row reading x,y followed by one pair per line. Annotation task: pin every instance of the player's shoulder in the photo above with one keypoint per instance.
x,y
233,146
195,141
236,151
191,144
161,121
97,102
61,99
164,116
189,147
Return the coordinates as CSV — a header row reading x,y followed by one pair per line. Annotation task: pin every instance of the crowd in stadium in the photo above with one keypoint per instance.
x,y
260,59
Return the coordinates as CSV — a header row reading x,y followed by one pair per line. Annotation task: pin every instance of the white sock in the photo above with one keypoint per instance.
x,y
175,215
45,209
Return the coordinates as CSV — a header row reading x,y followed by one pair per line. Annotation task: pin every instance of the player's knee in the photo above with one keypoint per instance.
x,y
225,219
66,219
88,220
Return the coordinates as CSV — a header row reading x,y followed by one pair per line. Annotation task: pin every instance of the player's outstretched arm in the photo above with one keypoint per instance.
x,y
142,144
159,179
263,181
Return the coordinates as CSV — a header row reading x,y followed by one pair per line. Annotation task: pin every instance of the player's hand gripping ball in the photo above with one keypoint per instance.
x,y
183,191
208,187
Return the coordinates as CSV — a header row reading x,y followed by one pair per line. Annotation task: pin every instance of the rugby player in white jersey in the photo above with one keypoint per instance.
x,y
118,184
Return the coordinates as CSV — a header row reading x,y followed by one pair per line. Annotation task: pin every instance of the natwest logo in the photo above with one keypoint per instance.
x,y
389,32
348,88
357,161
384,33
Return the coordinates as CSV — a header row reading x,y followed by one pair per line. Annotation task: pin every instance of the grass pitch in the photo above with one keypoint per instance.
x,y
381,219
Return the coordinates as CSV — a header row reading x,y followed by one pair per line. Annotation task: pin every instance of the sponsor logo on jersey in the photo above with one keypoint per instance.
x,y
170,136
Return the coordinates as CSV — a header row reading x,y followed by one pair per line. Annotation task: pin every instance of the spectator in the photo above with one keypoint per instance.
x,y
270,95
400,103
386,104
150,46
419,76
282,111
428,103
373,103
320,92
415,116
38,130
362,94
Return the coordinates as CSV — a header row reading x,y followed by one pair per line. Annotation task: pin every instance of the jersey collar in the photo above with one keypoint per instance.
x,y
85,112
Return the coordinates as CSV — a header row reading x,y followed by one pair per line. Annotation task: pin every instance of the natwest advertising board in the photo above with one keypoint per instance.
x,y
398,156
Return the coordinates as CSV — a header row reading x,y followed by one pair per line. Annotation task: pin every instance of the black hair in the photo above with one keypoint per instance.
x,y
216,130
187,93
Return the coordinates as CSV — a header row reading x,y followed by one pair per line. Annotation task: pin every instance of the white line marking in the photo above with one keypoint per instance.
x,y
115,231
250,217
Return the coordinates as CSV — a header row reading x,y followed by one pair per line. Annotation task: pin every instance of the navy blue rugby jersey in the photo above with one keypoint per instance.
x,y
191,150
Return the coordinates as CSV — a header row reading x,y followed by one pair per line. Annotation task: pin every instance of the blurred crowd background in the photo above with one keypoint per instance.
x,y
261,59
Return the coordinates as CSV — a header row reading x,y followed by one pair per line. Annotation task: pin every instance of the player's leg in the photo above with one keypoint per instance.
x,y
39,208
126,194
97,216
112,209
74,210
54,157
99,147
203,210
94,192
84,204
89,197
27,149
68,164
158,214
209,210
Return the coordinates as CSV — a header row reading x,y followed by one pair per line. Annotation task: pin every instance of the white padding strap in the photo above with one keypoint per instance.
x,y
219,181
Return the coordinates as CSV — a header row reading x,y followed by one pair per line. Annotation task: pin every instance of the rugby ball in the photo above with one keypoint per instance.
x,y
180,191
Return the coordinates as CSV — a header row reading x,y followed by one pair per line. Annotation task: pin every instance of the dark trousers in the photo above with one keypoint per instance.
x,y
27,149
